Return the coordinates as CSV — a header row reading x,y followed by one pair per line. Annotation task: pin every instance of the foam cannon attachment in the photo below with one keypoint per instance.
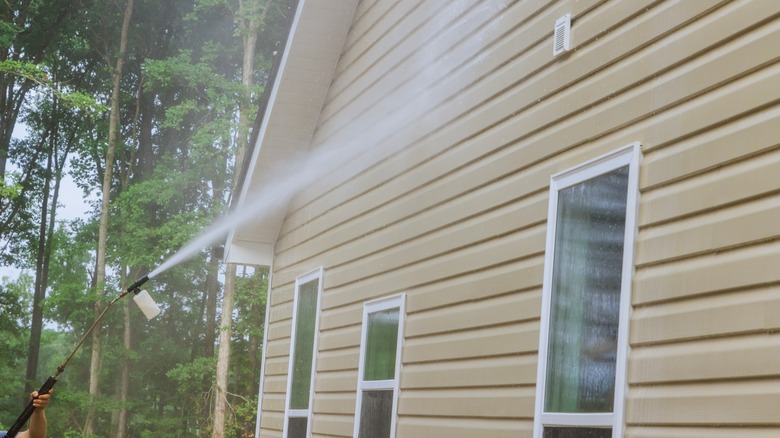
x,y
147,304
49,384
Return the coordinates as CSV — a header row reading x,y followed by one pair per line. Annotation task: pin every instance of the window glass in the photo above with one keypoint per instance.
x,y
381,345
376,414
379,368
304,345
296,428
585,305
576,432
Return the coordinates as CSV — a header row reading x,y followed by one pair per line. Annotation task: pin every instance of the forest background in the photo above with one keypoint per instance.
x,y
146,106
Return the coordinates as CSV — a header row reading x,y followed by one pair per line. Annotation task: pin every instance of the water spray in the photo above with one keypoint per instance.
x,y
148,307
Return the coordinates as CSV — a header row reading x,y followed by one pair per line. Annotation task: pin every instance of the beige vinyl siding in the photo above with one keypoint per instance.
x,y
450,208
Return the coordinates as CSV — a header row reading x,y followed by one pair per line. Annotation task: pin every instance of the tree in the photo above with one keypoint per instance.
x,y
116,78
58,149
183,114
28,29
251,14
14,307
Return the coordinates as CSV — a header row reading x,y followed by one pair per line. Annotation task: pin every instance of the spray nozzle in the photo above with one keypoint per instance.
x,y
136,287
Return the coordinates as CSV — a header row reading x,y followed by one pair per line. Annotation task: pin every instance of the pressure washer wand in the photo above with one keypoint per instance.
x,y
49,383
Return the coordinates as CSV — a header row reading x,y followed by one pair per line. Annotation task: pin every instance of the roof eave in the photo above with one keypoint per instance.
x,y
287,121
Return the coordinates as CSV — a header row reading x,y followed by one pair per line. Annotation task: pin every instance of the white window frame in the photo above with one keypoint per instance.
x,y
369,307
629,155
303,413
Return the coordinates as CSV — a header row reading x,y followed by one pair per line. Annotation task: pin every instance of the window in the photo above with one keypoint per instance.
x,y
380,366
589,263
303,348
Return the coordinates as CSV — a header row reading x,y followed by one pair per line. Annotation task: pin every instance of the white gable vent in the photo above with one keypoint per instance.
x,y
562,35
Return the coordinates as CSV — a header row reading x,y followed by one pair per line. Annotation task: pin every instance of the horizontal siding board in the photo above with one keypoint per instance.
x,y
735,101
480,403
513,71
516,307
481,256
479,372
280,330
276,366
401,64
281,312
518,338
745,267
274,402
281,293
522,275
702,432
277,348
341,317
367,17
527,93
724,186
438,55
453,213
272,421
336,339
332,425
717,230
736,312
336,381
338,360
426,208
448,427
712,149
342,403
276,384
464,235
520,153
724,403
370,49
741,357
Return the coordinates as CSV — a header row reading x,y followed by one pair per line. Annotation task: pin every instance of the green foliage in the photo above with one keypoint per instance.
x,y
251,292
8,32
10,190
26,70
38,73
179,106
245,419
15,299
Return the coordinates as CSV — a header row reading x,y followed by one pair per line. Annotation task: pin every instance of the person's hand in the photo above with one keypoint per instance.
x,y
41,401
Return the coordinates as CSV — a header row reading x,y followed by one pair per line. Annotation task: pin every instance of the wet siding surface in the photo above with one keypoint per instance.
x,y
461,114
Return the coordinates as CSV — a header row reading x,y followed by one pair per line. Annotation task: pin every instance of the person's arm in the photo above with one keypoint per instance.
x,y
38,419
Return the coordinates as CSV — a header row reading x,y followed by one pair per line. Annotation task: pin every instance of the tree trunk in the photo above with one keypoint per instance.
x,y
94,377
212,290
223,358
252,19
36,324
50,197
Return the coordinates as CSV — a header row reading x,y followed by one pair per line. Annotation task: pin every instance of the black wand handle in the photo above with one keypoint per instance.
x,y
28,411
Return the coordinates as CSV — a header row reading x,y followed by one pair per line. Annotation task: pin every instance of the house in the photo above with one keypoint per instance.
x,y
531,218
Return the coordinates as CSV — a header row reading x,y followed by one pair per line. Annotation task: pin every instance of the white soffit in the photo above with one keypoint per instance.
x,y
314,46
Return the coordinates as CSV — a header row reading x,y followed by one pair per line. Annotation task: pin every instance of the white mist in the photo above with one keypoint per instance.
x,y
400,115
